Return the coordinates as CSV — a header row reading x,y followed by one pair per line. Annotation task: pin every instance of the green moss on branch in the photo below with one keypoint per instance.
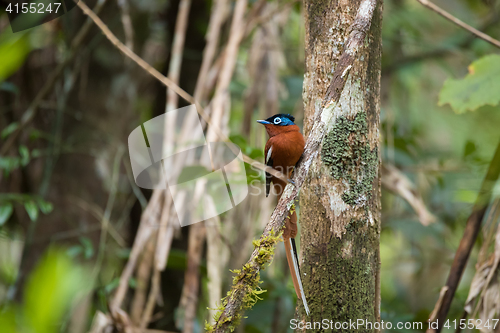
x,y
245,289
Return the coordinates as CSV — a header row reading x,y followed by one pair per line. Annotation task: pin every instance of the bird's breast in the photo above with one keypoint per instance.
x,y
286,149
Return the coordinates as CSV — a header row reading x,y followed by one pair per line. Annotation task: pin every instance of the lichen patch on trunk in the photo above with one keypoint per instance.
x,y
346,150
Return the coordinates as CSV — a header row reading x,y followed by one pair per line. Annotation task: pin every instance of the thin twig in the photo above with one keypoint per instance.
x,y
166,228
189,298
174,68
146,227
260,20
98,213
127,23
440,52
153,296
105,222
234,302
460,23
434,312
129,53
165,232
492,272
143,274
397,182
217,17
226,73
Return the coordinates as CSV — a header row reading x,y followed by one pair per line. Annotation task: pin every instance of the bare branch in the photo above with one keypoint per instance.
x,y
460,23
143,274
395,181
226,73
153,295
174,68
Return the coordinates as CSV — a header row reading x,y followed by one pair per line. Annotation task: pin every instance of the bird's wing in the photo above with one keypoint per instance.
x,y
269,162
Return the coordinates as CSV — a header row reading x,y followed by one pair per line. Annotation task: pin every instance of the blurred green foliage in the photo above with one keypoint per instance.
x,y
51,290
480,87
33,204
14,48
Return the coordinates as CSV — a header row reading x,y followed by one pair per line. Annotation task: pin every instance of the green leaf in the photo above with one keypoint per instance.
x,y
14,49
9,163
480,87
74,251
51,290
9,129
8,321
239,140
5,212
25,155
112,285
31,209
88,247
45,206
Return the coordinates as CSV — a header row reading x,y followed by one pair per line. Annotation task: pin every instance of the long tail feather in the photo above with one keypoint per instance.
x,y
293,264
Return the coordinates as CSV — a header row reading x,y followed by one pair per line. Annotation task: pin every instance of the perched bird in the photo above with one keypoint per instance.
x,y
282,152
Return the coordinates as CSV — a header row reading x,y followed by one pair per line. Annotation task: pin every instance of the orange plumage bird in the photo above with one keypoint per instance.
x,y
282,152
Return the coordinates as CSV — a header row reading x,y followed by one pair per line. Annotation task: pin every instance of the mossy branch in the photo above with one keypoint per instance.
x,y
244,292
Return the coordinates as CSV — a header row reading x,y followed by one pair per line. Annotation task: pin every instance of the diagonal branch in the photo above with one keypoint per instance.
x,y
171,85
468,240
242,294
397,182
460,23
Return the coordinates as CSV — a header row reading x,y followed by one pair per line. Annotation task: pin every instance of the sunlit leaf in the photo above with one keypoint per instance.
x,y
51,289
31,209
480,87
8,321
13,51
5,212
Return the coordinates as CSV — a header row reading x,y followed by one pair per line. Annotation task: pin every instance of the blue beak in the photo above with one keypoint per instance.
x,y
263,122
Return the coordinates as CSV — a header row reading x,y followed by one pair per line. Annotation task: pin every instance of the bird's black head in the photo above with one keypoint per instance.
x,y
279,120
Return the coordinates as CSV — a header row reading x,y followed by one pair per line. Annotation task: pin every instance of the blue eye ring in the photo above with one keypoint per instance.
x,y
277,121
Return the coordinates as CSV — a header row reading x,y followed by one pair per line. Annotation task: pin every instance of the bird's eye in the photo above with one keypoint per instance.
x,y
277,121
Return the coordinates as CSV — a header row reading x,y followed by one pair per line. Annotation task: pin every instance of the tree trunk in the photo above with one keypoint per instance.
x,y
340,200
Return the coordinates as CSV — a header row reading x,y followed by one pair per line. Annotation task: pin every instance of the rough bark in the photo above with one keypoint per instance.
x,y
340,200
